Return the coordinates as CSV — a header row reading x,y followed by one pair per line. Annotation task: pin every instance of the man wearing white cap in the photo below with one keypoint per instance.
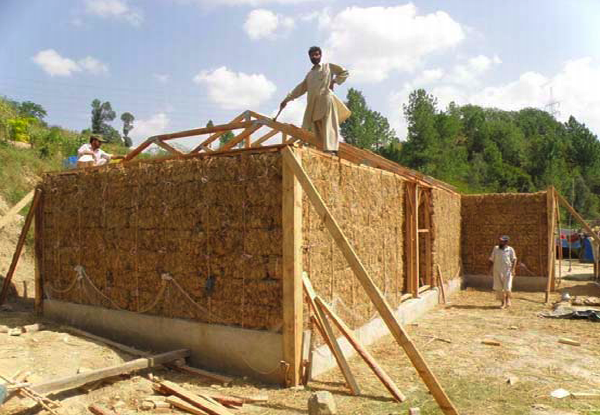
x,y
502,262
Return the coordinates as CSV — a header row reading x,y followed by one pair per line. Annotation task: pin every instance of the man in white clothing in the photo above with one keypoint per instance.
x,y
502,262
324,111
91,154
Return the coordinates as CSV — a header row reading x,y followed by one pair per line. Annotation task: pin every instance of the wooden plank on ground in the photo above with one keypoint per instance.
x,y
19,248
75,381
100,410
135,352
362,351
292,275
194,399
329,337
12,213
371,289
184,406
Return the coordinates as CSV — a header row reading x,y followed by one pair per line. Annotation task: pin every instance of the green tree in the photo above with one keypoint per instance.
x,y
30,109
365,128
102,114
127,119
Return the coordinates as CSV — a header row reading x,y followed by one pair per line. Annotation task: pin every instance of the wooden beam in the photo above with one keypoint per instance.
x,y
428,238
135,352
576,215
71,382
292,275
38,238
168,147
356,155
371,289
550,214
204,145
12,213
19,248
240,137
415,235
329,337
264,138
138,150
362,351
441,284
205,130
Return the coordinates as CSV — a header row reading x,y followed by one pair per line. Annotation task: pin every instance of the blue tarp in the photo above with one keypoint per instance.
x,y
588,254
70,162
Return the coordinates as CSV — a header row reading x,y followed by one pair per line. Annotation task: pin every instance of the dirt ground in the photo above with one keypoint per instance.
x,y
473,374
9,235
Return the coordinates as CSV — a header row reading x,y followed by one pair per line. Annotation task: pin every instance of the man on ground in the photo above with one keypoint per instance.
x,y
502,262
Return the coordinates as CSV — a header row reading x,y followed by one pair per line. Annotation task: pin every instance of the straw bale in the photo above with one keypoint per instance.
x,y
213,224
446,222
368,205
521,216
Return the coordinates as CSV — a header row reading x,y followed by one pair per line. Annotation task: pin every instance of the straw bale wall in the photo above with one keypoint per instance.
x,y
521,216
446,221
211,223
368,205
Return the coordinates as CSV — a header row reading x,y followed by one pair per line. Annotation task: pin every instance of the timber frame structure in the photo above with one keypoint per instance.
x,y
419,267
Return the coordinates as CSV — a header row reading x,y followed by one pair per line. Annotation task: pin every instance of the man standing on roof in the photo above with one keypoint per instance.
x,y
324,111
90,155
502,262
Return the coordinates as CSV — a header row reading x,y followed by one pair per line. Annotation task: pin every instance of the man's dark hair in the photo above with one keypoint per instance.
x,y
314,49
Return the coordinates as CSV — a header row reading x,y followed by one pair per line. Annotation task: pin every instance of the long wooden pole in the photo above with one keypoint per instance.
x,y
39,255
327,333
362,352
75,381
550,216
12,213
20,243
371,289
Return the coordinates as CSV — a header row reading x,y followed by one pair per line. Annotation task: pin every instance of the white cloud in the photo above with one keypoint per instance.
x,y
470,72
93,65
162,78
293,113
236,90
144,128
262,23
375,41
55,65
117,9
575,87
255,3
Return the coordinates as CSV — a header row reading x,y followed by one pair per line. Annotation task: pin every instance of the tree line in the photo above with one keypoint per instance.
x,y
481,150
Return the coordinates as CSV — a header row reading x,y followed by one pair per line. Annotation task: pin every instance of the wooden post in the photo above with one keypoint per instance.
x,y
550,249
39,255
560,249
19,248
409,236
369,286
429,280
292,275
362,352
415,234
320,320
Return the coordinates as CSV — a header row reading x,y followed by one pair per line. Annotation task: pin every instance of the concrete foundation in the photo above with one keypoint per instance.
x,y
227,350
520,283
407,312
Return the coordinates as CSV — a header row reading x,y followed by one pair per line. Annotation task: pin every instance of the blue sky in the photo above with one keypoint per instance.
x,y
175,64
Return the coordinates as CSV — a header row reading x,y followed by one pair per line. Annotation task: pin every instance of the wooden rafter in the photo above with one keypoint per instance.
x,y
264,138
168,147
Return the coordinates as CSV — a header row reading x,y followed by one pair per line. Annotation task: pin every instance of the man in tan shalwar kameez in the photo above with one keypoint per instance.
x,y
324,111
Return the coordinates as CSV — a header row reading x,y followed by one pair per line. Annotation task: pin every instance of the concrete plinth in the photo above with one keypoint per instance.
x,y
407,312
224,349
520,283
